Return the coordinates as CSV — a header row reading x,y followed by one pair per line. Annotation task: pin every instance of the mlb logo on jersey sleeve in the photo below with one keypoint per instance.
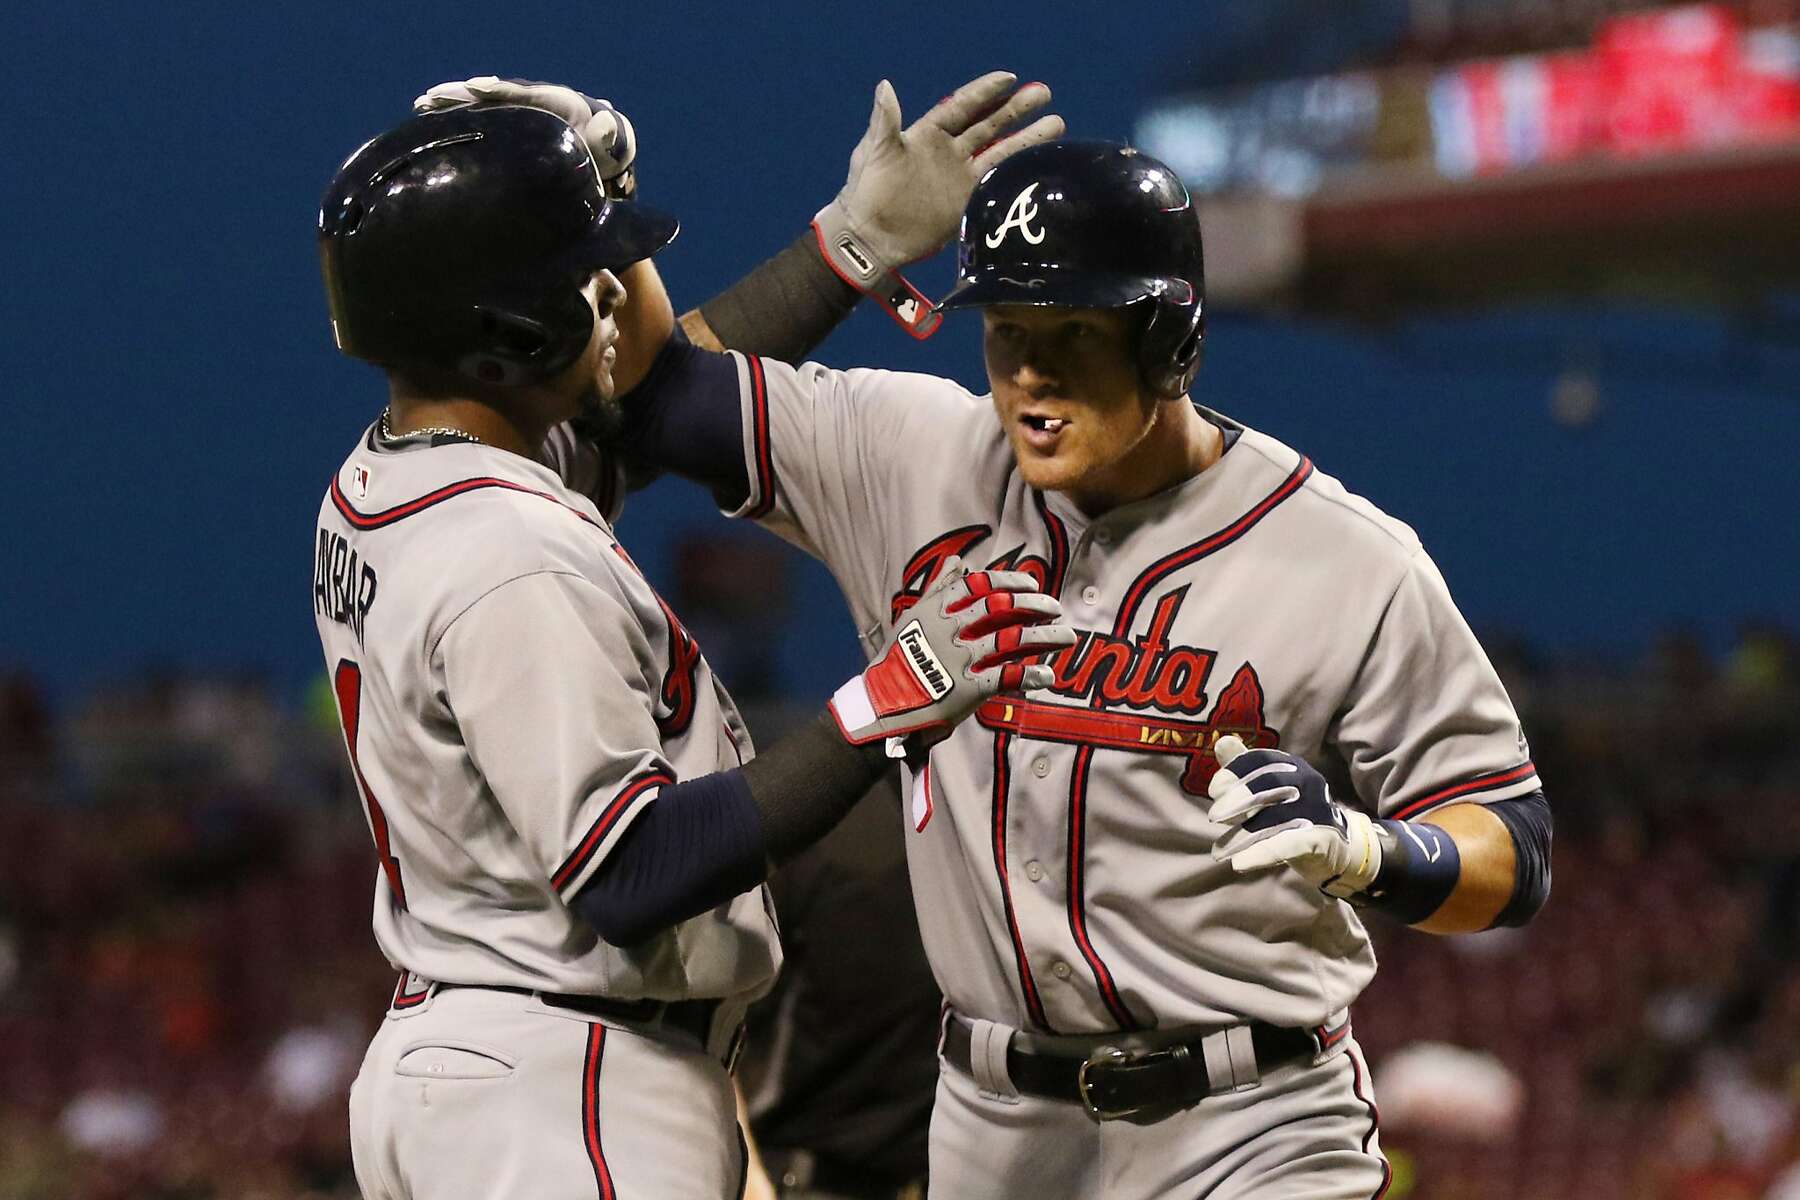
x,y
359,481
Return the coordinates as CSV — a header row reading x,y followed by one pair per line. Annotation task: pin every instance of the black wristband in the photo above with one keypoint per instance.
x,y
785,307
1420,866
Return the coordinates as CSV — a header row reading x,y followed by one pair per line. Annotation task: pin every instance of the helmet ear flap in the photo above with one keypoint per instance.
x,y
514,346
1170,350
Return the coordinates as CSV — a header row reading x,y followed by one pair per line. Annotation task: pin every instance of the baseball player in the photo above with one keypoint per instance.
x,y
1140,898
571,830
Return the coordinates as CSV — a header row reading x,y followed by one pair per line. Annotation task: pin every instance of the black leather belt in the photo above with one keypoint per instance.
x,y
691,1017
1110,1082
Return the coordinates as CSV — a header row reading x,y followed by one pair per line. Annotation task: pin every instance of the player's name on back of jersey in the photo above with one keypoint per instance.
x,y
343,585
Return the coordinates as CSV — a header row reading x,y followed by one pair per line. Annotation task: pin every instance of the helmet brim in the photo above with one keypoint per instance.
x,y
1049,285
625,232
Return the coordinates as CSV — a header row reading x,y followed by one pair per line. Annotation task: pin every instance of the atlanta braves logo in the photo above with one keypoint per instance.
x,y
1022,212
1110,675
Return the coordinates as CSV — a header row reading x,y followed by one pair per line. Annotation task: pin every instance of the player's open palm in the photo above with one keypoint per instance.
x,y
972,635
907,187
1280,811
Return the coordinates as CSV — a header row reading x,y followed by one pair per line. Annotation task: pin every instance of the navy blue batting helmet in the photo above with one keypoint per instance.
x,y
1091,225
461,240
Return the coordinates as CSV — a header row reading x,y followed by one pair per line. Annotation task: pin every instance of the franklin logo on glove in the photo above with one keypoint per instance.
x,y
924,663
973,634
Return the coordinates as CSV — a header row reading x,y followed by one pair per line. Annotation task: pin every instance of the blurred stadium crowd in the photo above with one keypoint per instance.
x,y
187,977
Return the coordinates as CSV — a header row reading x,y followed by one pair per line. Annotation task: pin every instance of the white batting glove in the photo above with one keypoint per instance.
x,y
1281,811
606,130
907,188
972,635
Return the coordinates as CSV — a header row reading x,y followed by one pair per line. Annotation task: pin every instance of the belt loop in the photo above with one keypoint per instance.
x,y
988,1044
1332,1034
412,994
1230,1056
1243,1057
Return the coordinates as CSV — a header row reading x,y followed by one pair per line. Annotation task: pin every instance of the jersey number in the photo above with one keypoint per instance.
x,y
348,685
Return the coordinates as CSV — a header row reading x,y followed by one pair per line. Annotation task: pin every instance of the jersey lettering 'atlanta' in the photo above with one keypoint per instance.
x,y
1060,854
513,696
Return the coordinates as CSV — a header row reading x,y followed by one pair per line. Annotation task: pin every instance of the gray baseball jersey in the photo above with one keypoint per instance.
x,y
513,695
1060,847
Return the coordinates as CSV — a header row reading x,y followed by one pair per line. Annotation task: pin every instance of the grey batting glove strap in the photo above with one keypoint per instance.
x,y
907,188
606,130
1279,811
973,635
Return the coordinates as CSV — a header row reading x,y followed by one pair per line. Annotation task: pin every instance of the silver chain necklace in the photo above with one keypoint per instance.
x,y
388,434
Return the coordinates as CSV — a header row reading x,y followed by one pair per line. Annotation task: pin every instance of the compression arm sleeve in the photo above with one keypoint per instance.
x,y
705,840
685,417
784,308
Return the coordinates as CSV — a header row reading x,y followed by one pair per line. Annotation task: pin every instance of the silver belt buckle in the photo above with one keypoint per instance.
x,y
1102,1056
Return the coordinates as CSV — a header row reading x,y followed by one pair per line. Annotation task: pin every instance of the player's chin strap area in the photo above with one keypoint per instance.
x,y
1125,1077
856,263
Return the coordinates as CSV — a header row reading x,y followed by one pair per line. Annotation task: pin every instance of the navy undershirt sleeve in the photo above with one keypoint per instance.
x,y
704,840
697,845
686,417
1528,820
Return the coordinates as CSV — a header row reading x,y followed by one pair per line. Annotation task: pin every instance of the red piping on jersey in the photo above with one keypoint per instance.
x,y
603,825
1109,991
1034,1005
1481,783
590,1110
759,429
400,512
1058,565
924,782
1134,596
1387,1168
1204,547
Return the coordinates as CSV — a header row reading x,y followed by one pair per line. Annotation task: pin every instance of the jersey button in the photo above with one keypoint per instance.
x,y
1034,870
1103,536
1040,767
1060,970
1090,595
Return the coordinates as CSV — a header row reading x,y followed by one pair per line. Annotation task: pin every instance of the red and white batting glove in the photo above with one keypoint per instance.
x,y
972,635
